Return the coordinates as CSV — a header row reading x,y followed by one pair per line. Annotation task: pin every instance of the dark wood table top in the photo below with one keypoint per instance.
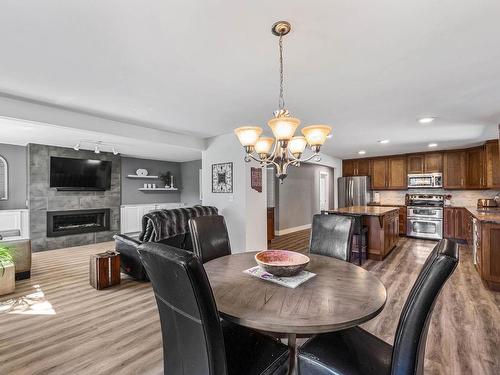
x,y
340,296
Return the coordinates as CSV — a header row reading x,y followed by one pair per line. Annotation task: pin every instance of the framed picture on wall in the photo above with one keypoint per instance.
x,y
222,178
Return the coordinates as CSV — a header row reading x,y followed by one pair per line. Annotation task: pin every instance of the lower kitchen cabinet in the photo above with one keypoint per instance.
x,y
453,223
489,255
383,234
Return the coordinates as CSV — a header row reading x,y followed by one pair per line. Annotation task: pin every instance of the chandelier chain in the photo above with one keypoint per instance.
x,y
281,101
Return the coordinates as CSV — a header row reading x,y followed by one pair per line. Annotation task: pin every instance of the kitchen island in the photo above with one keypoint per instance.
x,y
382,224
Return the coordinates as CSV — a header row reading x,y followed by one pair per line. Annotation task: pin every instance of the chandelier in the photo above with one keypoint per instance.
x,y
288,148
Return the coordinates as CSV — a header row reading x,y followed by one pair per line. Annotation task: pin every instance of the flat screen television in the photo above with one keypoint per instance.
x,y
80,174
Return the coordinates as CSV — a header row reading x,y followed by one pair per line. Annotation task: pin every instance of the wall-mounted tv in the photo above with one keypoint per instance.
x,y
80,174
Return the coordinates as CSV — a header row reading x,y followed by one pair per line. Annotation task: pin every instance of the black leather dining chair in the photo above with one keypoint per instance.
x,y
195,340
209,237
331,235
355,351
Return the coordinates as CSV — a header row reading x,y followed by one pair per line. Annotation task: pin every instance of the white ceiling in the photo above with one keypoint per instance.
x,y
201,68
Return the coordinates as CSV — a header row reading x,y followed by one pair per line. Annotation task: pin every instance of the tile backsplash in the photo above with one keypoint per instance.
x,y
458,197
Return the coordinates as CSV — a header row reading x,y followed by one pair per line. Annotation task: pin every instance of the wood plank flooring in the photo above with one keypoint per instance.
x,y
55,323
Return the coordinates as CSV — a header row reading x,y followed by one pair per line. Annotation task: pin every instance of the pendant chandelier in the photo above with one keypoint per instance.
x,y
288,148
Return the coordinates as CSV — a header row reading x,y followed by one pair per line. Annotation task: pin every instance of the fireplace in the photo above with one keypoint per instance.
x,y
63,223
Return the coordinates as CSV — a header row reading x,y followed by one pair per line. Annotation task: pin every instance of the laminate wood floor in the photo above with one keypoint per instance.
x,y
56,323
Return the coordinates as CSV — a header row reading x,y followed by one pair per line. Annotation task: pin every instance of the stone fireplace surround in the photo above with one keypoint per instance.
x,y
42,198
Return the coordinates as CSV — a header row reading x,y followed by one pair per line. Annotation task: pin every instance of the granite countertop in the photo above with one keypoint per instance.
x,y
366,210
486,216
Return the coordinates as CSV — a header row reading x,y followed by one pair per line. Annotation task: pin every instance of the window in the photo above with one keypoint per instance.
x,y
4,184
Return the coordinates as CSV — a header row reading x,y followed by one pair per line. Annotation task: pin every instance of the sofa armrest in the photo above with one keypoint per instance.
x,y
126,240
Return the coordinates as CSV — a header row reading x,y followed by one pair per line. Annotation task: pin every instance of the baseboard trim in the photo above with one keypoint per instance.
x,y
291,230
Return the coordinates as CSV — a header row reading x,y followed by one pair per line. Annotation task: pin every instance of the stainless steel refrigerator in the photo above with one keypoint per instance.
x,y
353,191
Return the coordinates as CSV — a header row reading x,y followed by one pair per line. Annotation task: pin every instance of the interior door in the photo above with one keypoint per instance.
x,y
323,191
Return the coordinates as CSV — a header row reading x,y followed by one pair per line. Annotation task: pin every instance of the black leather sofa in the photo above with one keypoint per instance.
x,y
169,227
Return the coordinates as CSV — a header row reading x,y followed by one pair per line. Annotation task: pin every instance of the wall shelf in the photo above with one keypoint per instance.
x,y
158,189
136,176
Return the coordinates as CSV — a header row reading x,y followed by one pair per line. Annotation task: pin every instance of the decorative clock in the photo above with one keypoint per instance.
x,y
222,178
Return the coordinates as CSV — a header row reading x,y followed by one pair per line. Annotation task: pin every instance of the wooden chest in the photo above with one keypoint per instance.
x,y
104,270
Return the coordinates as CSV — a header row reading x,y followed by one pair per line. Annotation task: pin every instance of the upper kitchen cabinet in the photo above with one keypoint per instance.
x,y
433,162
379,173
356,167
416,163
348,168
454,169
475,169
492,157
430,162
397,177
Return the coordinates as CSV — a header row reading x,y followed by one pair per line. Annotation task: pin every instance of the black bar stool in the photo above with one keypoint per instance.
x,y
360,230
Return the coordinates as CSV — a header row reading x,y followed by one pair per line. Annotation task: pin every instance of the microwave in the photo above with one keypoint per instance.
x,y
425,180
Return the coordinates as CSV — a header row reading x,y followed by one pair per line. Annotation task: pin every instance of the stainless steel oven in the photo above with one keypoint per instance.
x,y
425,180
425,216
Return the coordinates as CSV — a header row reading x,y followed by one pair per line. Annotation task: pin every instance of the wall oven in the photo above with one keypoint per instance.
x,y
425,216
425,180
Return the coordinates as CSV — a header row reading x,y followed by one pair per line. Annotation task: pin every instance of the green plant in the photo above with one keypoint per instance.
x,y
6,256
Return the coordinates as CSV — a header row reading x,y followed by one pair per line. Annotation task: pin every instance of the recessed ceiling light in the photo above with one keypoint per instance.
x,y
383,141
426,120
362,152
432,144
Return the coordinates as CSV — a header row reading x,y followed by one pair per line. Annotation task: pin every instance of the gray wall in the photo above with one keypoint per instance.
x,y
190,193
130,186
42,198
17,170
298,197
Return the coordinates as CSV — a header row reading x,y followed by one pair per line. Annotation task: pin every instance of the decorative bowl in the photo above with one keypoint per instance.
x,y
141,172
281,262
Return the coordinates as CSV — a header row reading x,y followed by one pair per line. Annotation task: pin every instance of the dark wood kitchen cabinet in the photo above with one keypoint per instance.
x,y
415,163
475,177
454,169
397,176
433,162
453,223
378,172
356,167
430,162
492,158
489,255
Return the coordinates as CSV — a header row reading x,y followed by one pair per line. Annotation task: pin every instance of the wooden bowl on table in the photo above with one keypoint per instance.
x,y
281,262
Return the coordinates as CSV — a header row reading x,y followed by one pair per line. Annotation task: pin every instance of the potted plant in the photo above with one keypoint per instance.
x,y
166,178
7,270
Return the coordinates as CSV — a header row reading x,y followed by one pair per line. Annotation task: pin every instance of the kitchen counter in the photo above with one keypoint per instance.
x,y
489,216
366,210
383,228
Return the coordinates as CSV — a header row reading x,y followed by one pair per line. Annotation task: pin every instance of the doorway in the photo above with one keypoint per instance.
x,y
323,191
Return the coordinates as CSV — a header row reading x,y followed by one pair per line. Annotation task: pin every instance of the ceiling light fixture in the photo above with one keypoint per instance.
x,y
383,141
288,148
114,151
426,120
96,150
361,152
98,146
77,147
432,144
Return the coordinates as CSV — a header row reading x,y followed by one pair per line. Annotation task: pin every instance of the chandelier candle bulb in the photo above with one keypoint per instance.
x,y
263,146
316,134
297,146
284,127
248,135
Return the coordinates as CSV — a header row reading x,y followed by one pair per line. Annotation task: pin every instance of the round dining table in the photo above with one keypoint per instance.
x,y
340,296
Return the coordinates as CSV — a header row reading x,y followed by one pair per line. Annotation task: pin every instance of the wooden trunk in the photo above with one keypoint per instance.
x,y
104,270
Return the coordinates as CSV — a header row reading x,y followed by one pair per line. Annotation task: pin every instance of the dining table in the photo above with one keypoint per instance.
x,y
341,295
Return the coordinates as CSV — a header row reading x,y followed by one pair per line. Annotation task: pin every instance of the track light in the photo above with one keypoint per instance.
x,y
77,147
114,151
96,150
